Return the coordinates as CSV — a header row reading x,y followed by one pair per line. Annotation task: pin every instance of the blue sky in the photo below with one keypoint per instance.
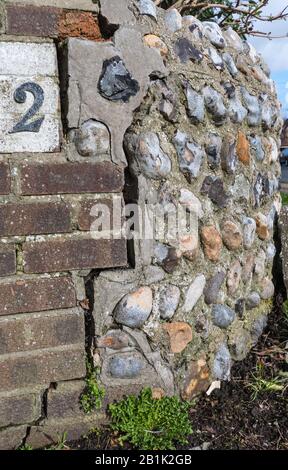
x,y
275,51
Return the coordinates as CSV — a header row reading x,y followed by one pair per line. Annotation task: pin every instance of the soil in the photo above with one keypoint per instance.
x,y
231,418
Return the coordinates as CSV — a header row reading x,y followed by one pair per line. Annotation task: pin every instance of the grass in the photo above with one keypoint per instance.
x,y
284,197
260,385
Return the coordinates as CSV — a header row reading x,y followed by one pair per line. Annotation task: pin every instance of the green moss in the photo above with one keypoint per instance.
x,y
91,398
151,424
284,198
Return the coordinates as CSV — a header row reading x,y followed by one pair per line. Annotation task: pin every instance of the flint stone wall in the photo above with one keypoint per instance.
x,y
155,109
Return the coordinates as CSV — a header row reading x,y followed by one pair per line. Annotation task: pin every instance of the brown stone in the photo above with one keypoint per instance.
x,y
262,229
151,40
231,235
180,334
82,24
188,245
29,20
234,277
248,267
72,254
243,149
158,393
20,408
7,260
197,379
34,218
41,367
36,295
212,242
71,178
50,329
5,180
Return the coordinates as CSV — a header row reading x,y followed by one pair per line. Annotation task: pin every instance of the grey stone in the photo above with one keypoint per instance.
x,y
234,277
239,344
253,300
169,297
233,39
236,111
228,156
249,230
216,58
256,147
195,105
125,366
190,155
259,269
167,257
222,315
253,106
168,109
92,139
213,286
241,188
215,105
269,112
214,188
116,83
185,50
173,20
229,61
213,150
258,327
190,202
266,289
153,274
134,309
146,155
222,363
258,192
240,307
214,34
194,293
270,185
230,89
270,252
147,7
113,12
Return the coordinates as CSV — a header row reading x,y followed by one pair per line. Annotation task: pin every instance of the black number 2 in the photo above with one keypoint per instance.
x,y
27,124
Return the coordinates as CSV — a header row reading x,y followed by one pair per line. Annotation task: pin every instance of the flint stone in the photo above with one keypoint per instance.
x,y
269,112
228,156
267,289
256,147
190,202
173,20
194,293
253,106
249,230
195,105
134,309
167,257
259,269
258,327
190,155
215,105
213,150
116,82
253,300
212,288
214,188
229,89
147,7
222,363
233,39
216,58
258,191
239,344
222,315
236,111
126,366
231,235
214,34
185,50
147,156
229,61
270,252
92,139
240,307
241,188
234,277
169,297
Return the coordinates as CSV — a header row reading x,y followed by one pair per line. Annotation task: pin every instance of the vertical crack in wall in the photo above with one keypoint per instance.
x,y
88,314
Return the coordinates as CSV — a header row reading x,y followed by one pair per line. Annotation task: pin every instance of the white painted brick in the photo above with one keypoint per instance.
x,y
26,59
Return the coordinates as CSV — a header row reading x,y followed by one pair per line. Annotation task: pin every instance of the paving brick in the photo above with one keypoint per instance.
x,y
36,295
41,330
7,260
63,401
71,178
12,438
32,20
5,181
42,367
34,218
19,408
73,254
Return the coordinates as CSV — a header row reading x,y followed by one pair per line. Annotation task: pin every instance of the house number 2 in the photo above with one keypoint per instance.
x,y
27,124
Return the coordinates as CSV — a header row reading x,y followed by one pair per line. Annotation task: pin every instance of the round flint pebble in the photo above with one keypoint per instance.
x,y
134,309
125,367
222,363
222,315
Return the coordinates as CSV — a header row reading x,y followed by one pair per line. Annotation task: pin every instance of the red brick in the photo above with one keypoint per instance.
x,y
40,331
36,295
71,178
34,218
29,20
66,255
85,219
7,260
65,400
79,24
5,181
42,367
19,408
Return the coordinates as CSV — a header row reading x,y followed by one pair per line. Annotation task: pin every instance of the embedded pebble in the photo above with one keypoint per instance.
x,y
239,344
272,150
213,32
215,105
259,269
266,289
134,309
216,58
253,54
222,363
194,293
262,228
229,88
233,39
191,203
249,230
190,155
154,41
167,256
116,83
153,274
185,50
231,235
243,149
126,366
252,104
248,267
213,150
253,300
92,139
234,277
241,188
147,7
169,297
242,65
228,155
258,190
212,242
256,147
236,111
189,244
229,61
258,327
195,105
222,315
180,335
240,307
173,20
270,252
214,188
213,286
269,112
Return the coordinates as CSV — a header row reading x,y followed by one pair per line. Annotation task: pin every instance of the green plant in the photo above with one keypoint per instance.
x,y
25,447
151,424
285,309
260,384
284,197
61,444
92,397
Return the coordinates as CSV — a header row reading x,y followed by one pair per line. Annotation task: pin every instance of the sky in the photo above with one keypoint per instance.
x,y
275,51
